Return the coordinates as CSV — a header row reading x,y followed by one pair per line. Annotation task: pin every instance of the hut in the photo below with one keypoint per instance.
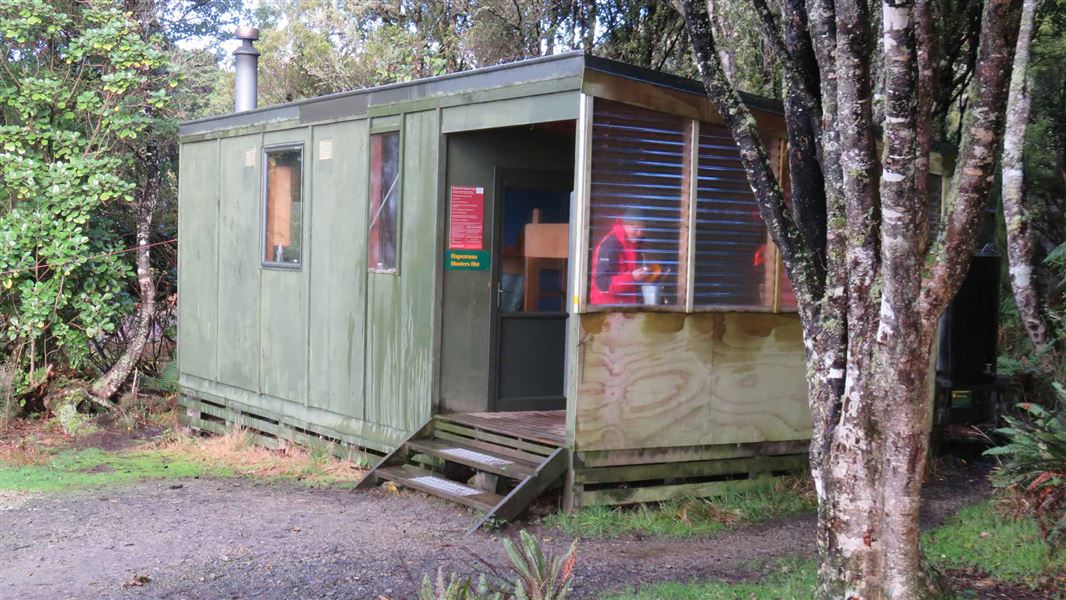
x,y
550,272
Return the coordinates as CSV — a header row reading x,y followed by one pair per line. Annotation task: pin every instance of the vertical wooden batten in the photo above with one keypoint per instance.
x,y
578,267
688,212
579,221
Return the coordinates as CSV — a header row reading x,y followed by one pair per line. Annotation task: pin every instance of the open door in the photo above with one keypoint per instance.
x,y
530,280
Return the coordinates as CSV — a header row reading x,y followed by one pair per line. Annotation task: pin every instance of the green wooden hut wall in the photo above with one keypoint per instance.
x,y
330,349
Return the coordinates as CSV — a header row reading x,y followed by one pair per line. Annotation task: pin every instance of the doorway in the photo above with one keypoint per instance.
x,y
529,315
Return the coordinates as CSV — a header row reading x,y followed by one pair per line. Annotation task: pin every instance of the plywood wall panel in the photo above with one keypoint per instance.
x,y
238,262
338,157
651,380
197,255
283,301
401,306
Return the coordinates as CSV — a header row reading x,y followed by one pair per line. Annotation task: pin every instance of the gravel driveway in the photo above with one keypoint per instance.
x,y
244,538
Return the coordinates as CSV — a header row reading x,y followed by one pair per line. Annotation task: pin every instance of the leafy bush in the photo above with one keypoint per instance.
x,y
536,576
540,577
166,382
77,93
1034,463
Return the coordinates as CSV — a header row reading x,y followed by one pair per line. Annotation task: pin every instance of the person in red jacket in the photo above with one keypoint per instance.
x,y
616,269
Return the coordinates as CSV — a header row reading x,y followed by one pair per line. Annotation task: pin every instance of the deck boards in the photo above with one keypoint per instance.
x,y
541,426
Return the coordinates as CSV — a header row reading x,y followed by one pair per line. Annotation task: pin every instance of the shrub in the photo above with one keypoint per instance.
x,y
540,577
1033,462
536,576
457,588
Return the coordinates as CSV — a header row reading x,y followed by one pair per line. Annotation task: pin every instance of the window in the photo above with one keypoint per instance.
x,y
673,221
283,214
638,180
384,202
734,260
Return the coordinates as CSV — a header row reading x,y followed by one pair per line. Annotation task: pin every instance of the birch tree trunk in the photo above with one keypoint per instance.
x,y
1015,212
869,308
147,197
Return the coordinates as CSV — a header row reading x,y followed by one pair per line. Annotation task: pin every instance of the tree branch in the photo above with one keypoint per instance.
x,y
977,157
1015,212
792,71
797,257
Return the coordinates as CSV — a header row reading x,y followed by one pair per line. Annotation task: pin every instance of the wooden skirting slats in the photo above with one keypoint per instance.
x,y
266,429
658,474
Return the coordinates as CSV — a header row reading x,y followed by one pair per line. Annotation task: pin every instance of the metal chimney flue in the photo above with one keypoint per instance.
x,y
247,70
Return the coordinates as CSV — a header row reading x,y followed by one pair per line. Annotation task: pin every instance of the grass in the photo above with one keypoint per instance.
x,y
979,536
686,517
92,467
791,579
1006,548
41,468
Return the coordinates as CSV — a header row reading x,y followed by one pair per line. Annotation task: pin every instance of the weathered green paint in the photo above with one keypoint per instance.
x,y
507,113
238,259
494,94
257,129
284,299
400,308
386,123
477,159
338,267
198,245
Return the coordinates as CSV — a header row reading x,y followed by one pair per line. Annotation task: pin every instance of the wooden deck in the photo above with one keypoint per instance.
x,y
542,426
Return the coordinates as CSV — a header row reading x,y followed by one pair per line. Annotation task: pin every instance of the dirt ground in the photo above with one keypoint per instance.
x,y
245,538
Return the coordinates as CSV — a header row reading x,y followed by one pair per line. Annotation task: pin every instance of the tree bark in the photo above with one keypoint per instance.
x,y
1015,212
868,317
147,197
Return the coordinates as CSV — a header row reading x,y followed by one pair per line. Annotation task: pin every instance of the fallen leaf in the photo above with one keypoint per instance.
x,y
137,581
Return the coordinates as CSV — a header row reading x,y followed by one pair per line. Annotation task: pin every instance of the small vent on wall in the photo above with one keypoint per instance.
x,y
249,157
325,150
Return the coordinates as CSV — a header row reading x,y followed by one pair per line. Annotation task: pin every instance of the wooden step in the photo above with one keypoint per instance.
x,y
478,458
435,485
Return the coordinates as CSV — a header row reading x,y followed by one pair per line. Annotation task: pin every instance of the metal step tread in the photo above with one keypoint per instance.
x,y
480,459
435,485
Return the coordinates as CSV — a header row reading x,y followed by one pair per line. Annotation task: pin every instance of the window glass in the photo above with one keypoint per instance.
x,y
638,179
384,201
284,207
734,260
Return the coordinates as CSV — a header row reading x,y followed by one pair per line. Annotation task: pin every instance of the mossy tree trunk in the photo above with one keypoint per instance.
x,y
147,197
870,286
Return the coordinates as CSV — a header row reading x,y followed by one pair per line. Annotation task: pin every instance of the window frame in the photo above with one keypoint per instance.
x,y
263,192
385,130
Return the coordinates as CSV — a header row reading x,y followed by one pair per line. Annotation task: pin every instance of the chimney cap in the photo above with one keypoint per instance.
x,y
247,33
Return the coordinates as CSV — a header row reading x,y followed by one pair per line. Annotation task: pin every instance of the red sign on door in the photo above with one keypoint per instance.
x,y
466,225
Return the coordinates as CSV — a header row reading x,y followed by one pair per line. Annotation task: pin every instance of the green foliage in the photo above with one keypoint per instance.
x,y
1034,463
980,536
690,516
536,576
457,588
68,417
793,578
540,577
166,382
82,84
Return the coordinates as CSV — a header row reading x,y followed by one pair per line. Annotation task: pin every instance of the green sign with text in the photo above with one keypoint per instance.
x,y
466,260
